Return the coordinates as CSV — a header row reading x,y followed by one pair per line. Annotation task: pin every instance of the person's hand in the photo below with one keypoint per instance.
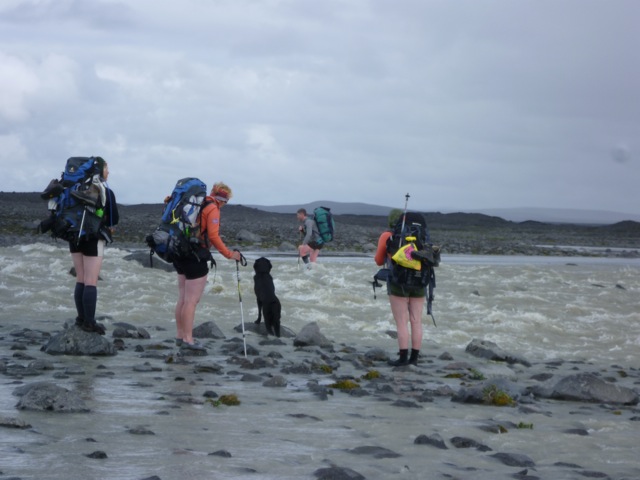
x,y
235,255
300,228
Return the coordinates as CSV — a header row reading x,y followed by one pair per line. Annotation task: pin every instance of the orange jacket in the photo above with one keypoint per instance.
x,y
210,222
381,252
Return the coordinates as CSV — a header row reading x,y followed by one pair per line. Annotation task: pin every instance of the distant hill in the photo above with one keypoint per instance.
x,y
547,215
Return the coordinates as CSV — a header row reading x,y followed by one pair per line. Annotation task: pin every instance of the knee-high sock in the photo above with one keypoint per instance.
x,y
89,300
78,294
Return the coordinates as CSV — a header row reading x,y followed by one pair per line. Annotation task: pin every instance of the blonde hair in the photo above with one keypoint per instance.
x,y
221,191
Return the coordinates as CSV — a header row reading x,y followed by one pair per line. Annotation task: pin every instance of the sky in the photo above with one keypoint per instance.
x,y
465,105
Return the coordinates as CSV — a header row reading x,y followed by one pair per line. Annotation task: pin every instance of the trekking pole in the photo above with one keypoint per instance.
x,y
243,261
298,247
404,217
84,212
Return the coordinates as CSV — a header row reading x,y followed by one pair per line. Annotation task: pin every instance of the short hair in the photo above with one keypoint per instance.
x,y
302,210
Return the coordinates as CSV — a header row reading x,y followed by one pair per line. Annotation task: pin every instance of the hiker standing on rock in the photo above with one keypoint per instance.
x,y
192,272
87,253
407,301
311,244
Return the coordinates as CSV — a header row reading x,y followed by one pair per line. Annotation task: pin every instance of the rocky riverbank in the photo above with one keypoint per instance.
x,y
527,400
250,228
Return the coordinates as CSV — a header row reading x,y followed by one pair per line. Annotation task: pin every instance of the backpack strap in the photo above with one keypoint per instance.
x,y
203,231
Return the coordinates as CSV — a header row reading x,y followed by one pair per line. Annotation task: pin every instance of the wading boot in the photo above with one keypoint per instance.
x,y
403,360
413,359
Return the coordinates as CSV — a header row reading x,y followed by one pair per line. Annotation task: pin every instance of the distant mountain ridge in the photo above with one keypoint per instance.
x,y
547,215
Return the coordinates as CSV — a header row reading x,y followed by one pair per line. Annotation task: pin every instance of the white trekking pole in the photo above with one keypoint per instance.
x,y
244,337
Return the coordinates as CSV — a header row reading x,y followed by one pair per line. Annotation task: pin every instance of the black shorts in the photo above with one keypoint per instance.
x,y
191,268
88,248
405,291
316,246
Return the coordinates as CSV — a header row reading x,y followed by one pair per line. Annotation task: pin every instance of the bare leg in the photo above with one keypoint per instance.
x,y
400,311
190,294
415,317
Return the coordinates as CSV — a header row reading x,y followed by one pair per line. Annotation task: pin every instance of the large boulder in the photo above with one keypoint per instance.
x,y
311,336
586,387
75,341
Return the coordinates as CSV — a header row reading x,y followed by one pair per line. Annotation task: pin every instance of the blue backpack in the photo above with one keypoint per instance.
x,y
178,235
76,201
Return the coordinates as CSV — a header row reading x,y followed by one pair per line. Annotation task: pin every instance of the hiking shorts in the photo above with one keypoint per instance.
x,y
88,248
316,246
405,291
191,268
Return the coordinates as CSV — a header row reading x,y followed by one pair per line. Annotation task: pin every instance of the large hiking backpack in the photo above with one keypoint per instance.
x,y
178,235
76,201
409,269
325,223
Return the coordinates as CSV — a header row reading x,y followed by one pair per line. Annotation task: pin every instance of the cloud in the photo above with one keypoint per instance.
x,y
465,106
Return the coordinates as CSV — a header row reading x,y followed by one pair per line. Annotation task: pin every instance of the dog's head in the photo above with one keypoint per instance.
x,y
262,265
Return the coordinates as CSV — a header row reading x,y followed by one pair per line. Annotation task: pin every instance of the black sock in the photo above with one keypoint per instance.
x,y
78,294
89,300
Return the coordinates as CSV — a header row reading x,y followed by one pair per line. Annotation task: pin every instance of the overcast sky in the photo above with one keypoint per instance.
x,y
464,104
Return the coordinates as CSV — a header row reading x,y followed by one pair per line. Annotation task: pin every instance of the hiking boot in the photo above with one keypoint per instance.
x,y
424,256
193,346
305,259
54,189
79,322
179,342
403,360
93,328
85,196
413,359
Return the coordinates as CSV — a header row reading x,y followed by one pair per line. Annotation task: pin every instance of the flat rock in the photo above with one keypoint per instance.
x,y
48,397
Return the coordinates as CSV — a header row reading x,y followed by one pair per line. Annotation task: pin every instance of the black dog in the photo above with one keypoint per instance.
x,y
265,291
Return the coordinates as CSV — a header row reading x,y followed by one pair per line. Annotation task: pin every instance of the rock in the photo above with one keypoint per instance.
x,y
514,459
48,397
260,329
491,351
13,423
337,473
221,453
376,452
276,381
477,393
142,257
126,330
434,440
208,330
586,387
463,442
310,336
140,430
208,368
99,454
75,341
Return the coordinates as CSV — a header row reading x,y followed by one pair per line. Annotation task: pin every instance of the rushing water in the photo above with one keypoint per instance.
x,y
582,309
